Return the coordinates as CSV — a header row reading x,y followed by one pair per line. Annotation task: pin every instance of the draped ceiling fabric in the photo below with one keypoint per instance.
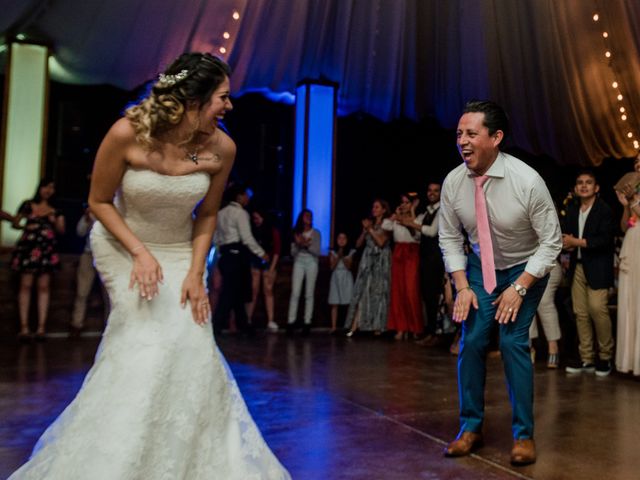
x,y
543,60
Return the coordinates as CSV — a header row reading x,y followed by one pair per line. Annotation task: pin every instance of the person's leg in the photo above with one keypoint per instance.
x,y
85,276
44,288
599,312
476,333
24,300
514,347
334,317
311,275
581,311
255,290
297,277
268,280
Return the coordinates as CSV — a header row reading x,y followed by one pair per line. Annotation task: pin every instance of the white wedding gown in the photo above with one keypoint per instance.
x,y
160,401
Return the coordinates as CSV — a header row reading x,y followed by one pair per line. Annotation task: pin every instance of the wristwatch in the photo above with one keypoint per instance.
x,y
520,290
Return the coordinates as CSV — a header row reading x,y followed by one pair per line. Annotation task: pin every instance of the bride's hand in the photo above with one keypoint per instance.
x,y
193,289
147,273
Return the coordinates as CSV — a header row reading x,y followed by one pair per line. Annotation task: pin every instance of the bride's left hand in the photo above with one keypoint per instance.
x,y
193,289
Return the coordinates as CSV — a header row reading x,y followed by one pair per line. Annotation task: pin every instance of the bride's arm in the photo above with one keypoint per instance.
x,y
193,288
109,167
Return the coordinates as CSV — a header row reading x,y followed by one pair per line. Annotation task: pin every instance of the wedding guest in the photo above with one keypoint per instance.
x,y
35,255
369,306
305,250
588,232
236,244
431,265
405,306
263,272
85,276
548,315
341,283
628,349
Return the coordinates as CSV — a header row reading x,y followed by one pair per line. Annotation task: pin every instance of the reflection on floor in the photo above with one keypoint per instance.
x,y
363,408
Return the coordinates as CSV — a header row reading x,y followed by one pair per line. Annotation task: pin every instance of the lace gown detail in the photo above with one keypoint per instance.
x,y
160,401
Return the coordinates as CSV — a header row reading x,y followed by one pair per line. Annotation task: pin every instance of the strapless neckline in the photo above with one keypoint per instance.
x,y
142,170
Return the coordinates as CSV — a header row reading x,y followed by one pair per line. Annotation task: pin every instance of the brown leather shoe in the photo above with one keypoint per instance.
x,y
464,444
523,452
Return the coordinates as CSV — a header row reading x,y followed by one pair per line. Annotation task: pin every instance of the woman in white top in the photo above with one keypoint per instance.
x,y
305,250
405,306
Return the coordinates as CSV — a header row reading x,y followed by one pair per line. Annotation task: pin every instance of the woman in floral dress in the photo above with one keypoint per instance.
x,y
35,255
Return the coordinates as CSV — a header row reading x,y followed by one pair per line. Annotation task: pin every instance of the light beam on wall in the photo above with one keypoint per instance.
x,y
313,176
23,128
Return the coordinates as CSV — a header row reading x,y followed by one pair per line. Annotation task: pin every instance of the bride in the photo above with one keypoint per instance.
x,y
160,401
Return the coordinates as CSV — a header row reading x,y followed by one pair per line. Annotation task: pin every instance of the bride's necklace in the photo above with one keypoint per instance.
x,y
192,155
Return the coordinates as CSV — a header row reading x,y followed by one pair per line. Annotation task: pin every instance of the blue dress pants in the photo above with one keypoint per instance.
x,y
514,347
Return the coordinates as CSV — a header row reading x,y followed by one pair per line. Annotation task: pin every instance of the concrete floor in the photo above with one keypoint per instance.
x,y
362,408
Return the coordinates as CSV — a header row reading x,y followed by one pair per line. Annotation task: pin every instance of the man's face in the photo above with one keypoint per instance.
x,y
433,193
477,148
586,187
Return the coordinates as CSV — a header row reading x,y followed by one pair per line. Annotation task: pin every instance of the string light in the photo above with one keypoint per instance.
x,y
620,97
621,109
605,34
596,17
226,35
607,54
614,84
630,134
236,15
623,117
223,50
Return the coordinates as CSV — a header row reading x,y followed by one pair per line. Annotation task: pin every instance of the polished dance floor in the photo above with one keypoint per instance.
x,y
362,408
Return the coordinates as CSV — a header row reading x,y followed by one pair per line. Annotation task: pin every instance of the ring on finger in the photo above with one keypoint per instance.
x,y
510,310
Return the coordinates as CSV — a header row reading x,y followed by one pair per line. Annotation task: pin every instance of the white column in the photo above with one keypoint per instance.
x,y
23,128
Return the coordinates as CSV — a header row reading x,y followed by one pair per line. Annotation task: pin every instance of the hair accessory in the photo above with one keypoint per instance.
x,y
165,81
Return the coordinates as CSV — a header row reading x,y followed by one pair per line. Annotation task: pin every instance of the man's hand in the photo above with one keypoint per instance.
x,y
465,298
509,303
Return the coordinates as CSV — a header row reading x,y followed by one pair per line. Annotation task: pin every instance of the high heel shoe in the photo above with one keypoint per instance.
x,y
350,333
553,361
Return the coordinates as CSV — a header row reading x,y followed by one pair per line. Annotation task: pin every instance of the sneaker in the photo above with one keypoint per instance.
x,y
576,367
272,326
603,368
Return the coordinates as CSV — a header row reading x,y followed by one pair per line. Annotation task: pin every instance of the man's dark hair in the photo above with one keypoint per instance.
x,y
232,192
588,172
495,118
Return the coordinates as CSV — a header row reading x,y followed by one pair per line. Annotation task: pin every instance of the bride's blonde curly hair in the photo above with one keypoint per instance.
x,y
192,77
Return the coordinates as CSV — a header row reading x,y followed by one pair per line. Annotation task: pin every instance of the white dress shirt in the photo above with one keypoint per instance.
x,y
523,220
234,226
582,219
429,230
401,234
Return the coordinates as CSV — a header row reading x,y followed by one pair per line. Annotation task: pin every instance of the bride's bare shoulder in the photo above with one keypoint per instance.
x,y
226,145
122,131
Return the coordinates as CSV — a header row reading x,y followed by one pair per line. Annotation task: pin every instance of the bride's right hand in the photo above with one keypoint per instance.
x,y
147,273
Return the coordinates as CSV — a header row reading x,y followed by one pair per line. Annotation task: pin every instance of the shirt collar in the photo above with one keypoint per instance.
x,y
433,206
235,204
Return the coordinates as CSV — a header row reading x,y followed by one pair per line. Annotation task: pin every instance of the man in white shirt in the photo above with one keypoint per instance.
x,y
235,241
506,210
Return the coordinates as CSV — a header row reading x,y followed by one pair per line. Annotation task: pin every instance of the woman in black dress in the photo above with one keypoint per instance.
x,y
35,255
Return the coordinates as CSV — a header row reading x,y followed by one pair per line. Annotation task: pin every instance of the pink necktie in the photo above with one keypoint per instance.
x,y
484,236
